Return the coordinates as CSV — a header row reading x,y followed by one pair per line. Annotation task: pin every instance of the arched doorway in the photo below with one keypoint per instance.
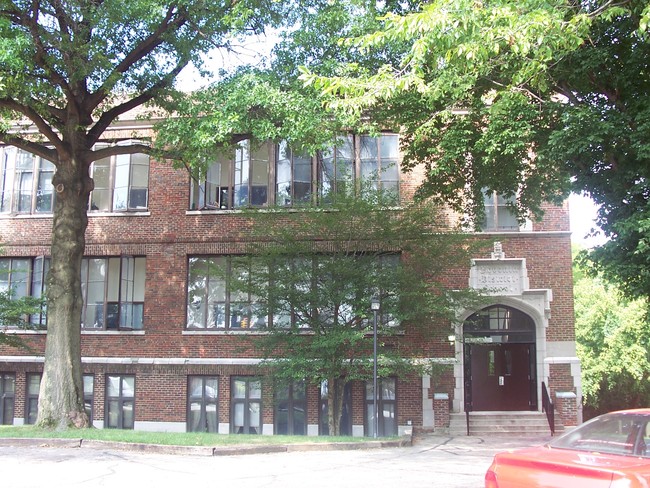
x,y
499,360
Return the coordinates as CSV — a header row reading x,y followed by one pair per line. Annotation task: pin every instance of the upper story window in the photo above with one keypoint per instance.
x,y
25,182
499,214
239,179
113,293
283,176
121,183
25,277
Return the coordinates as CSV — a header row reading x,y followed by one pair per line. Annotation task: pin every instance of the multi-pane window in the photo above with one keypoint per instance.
x,y
291,409
113,292
31,397
7,398
499,214
23,277
293,176
255,176
386,406
25,182
120,401
89,396
346,406
121,183
235,180
202,402
379,158
246,405
212,300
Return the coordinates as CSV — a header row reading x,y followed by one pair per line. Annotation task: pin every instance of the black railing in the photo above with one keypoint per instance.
x,y
549,408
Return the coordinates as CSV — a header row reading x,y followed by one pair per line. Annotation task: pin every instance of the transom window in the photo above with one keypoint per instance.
x,y
202,404
113,292
246,405
120,401
25,182
277,174
121,183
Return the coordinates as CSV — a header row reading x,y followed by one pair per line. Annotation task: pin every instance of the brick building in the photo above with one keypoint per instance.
x,y
154,359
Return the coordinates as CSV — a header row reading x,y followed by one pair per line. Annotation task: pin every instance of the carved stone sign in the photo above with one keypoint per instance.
x,y
499,277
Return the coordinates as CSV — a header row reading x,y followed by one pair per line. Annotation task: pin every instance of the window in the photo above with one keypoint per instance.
x,y
121,183
291,409
346,415
280,175
210,301
120,402
499,215
246,398
89,396
337,169
293,178
25,182
235,180
386,404
7,398
31,399
202,402
23,277
113,292
379,166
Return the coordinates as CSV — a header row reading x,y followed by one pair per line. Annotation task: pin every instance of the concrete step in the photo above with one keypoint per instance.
x,y
500,423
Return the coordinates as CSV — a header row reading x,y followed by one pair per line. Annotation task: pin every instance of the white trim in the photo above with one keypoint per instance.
x,y
152,361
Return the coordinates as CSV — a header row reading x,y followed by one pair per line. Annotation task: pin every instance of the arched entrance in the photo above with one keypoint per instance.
x,y
499,360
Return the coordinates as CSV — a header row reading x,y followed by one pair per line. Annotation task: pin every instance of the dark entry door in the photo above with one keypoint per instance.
x,y
501,376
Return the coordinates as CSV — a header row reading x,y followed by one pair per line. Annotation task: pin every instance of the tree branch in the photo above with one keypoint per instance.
x,y
43,127
29,146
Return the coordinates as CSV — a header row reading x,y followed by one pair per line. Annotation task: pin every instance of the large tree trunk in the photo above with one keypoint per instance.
x,y
335,390
61,400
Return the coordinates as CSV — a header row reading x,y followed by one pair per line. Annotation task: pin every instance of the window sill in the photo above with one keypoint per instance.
x,y
201,332
111,332
137,213
24,331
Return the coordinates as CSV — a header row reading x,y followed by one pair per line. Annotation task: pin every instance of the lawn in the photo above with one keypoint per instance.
x,y
165,438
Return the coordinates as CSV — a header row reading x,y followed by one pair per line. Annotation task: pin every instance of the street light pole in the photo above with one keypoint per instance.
x,y
374,306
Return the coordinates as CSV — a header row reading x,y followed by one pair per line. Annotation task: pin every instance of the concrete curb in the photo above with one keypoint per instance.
x,y
233,450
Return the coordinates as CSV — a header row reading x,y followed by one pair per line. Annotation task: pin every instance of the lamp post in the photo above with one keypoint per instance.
x,y
374,306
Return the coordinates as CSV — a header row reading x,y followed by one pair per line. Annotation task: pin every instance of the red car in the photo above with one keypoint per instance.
x,y
610,451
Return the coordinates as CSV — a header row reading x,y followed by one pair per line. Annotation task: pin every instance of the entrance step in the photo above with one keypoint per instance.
x,y
481,424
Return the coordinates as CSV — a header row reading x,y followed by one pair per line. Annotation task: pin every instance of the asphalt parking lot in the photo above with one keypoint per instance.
x,y
433,460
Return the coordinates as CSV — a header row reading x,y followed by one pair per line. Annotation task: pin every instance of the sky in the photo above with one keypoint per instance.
x,y
582,212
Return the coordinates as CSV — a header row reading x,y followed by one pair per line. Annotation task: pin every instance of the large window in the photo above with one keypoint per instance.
x,y
7,398
202,404
346,413
386,405
235,180
291,409
211,301
113,292
23,277
246,405
25,182
120,401
253,176
31,397
499,214
121,183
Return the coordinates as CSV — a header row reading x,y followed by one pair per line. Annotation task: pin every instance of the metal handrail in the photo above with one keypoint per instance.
x,y
549,408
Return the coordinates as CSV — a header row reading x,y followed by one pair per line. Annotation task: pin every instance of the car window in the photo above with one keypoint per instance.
x,y
613,434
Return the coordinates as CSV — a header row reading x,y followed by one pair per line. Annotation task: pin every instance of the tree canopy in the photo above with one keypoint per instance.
x,y
531,99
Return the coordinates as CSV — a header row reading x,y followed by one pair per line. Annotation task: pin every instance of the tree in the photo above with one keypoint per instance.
x,y
15,312
531,99
69,70
315,273
613,339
